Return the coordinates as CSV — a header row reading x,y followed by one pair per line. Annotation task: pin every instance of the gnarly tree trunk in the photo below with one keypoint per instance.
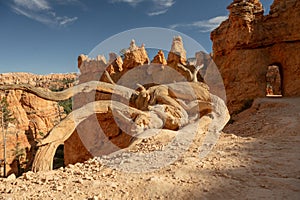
x,y
44,158
70,92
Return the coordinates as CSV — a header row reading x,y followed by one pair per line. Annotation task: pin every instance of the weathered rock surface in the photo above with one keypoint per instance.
x,y
177,54
210,74
91,69
159,58
134,56
114,68
248,42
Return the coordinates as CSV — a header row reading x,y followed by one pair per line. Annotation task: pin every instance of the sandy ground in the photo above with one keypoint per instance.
x,y
257,157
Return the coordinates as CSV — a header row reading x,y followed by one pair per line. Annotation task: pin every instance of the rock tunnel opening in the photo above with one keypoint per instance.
x,y
58,160
274,80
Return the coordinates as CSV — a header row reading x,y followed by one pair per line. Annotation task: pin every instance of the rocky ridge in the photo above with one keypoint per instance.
x,y
50,81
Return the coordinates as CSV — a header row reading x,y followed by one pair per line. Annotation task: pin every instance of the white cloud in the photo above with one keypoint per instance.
x,y
164,3
41,11
66,20
67,2
159,6
36,5
157,12
39,18
130,2
202,25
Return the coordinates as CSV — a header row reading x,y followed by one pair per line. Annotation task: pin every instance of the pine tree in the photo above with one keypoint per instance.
x,y
7,115
6,118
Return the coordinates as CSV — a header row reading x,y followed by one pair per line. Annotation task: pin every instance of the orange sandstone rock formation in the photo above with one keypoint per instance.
x,y
34,116
159,58
135,56
247,43
177,53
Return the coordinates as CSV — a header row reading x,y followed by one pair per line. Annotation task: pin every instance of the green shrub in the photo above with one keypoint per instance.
x,y
67,105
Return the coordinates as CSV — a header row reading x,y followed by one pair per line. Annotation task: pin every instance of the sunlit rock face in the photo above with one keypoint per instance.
x,y
247,43
159,58
177,54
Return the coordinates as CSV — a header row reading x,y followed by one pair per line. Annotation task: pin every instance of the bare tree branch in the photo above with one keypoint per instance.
x,y
70,92
109,77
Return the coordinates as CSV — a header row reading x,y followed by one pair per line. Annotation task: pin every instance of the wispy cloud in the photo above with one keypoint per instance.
x,y
67,20
41,11
202,25
67,2
164,3
157,12
159,7
130,2
32,4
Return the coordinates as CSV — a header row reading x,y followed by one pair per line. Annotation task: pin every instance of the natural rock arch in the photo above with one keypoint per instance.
x,y
274,82
58,160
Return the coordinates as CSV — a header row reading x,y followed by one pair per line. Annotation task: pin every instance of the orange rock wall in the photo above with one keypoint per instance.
x,y
247,43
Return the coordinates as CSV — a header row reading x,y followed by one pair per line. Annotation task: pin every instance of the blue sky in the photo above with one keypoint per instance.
x,y
46,36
